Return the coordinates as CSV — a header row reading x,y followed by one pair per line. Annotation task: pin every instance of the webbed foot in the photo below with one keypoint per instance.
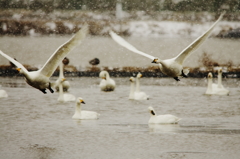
x,y
43,90
50,89
176,78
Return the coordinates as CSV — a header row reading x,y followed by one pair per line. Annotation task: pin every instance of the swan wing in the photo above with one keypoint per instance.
x,y
195,44
16,63
52,63
128,46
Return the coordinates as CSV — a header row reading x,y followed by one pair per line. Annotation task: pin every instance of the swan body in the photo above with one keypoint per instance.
x,y
65,84
65,97
81,114
216,89
3,93
162,119
40,79
170,67
135,93
106,84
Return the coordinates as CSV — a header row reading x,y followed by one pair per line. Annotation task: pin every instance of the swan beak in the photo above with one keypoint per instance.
x,y
154,61
103,77
81,101
63,79
19,69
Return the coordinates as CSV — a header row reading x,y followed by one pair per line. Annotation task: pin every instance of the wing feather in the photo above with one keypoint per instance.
x,y
128,46
16,63
52,63
195,44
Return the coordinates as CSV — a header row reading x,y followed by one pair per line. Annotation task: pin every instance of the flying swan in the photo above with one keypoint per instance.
x,y
40,79
81,114
106,84
171,67
162,119
135,92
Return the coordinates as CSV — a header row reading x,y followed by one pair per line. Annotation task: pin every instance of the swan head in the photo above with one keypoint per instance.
x,y
103,74
20,70
210,75
156,60
132,79
220,70
139,75
151,110
80,100
63,79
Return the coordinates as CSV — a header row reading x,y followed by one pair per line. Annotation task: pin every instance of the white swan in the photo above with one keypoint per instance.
x,y
135,93
65,84
106,84
171,67
81,114
162,119
3,93
65,97
216,89
220,86
40,79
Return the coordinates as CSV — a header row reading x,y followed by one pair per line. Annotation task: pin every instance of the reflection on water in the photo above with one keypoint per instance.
x,y
35,125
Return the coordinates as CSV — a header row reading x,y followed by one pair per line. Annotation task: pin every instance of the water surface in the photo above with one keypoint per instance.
x,y
36,125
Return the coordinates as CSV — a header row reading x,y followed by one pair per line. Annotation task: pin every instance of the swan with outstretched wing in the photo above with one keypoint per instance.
x,y
171,67
40,79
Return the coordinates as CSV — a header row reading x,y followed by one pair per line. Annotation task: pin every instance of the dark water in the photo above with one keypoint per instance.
x,y
34,125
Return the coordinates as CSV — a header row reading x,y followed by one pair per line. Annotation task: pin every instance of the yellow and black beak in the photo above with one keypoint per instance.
x,y
19,69
63,79
82,101
154,61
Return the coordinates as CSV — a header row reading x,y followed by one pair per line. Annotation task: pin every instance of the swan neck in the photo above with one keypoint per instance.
x,y
219,80
137,85
78,108
60,86
210,84
131,95
107,76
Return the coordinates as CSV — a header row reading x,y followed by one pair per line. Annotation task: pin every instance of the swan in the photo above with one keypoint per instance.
x,y
81,114
40,79
106,84
65,84
65,97
3,93
220,86
162,119
170,67
137,94
216,89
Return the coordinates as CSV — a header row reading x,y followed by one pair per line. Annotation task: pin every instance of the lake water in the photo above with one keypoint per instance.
x,y
35,51
36,125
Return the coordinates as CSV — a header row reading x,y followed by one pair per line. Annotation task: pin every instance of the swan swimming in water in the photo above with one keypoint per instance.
x,y
65,97
82,114
162,119
40,79
3,93
216,89
106,84
171,67
135,93
65,83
